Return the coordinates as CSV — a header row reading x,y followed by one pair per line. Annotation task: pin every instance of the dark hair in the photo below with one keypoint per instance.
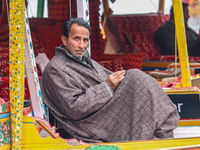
x,y
79,21
184,5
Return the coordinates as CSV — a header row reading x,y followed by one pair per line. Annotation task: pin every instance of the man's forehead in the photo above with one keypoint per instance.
x,y
77,25
79,31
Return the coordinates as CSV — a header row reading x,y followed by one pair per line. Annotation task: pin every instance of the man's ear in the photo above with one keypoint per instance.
x,y
64,40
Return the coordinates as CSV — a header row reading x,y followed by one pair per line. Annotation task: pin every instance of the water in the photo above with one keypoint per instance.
x,y
194,23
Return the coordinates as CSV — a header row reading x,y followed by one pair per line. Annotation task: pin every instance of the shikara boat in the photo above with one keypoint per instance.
x,y
32,130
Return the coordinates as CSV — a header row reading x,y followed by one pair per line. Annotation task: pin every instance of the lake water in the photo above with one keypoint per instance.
x,y
194,23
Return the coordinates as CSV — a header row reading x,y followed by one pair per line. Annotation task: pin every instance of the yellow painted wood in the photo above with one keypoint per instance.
x,y
190,122
181,40
31,140
5,147
191,90
17,38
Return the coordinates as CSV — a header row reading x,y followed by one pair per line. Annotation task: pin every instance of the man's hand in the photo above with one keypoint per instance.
x,y
115,78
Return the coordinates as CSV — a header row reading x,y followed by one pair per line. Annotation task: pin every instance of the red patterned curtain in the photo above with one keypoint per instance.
x,y
3,12
60,10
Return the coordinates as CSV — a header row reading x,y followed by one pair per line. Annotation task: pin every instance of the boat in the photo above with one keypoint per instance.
x,y
20,131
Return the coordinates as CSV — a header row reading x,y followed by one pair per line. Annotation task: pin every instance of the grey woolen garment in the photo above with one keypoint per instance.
x,y
88,109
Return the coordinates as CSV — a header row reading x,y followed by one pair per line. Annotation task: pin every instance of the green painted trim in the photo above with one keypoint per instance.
x,y
40,8
102,147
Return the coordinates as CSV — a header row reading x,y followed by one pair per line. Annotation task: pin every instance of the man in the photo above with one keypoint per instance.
x,y
165,35
95,105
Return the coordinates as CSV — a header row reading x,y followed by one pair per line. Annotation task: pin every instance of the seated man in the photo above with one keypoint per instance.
x,y
94,104
165,35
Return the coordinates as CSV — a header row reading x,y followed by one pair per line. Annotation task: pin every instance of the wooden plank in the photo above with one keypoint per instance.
x,y
16,60
32,75
182,44
161,6
32,140
83,12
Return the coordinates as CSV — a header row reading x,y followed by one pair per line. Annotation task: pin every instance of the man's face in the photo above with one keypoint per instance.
x,y
186,15
78,40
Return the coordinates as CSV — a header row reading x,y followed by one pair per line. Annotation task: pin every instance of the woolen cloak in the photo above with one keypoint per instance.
x,y
87,108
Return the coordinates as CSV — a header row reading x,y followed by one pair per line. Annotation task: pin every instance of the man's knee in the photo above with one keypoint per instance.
x,y
138,77
135,74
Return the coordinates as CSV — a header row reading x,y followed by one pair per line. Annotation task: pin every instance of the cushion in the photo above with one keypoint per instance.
x,y
112,65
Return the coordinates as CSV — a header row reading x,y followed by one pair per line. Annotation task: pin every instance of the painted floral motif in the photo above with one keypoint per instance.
x,y
4,105
4,132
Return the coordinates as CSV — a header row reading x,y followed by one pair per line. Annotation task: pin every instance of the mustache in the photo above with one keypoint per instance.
x,y
83,50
